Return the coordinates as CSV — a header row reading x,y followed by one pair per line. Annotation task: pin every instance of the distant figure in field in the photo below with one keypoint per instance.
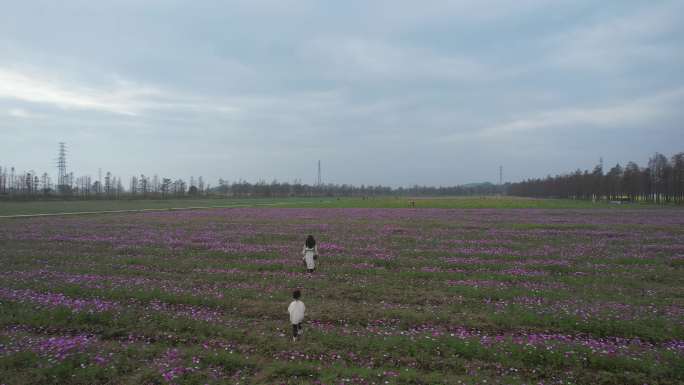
x,y
296,310
412,203
310,253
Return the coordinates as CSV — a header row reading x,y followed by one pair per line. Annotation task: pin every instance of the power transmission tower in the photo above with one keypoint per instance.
x,y
61,168
500,175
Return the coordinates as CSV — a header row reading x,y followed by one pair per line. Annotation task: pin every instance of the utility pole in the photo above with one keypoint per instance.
x,y
12,184
319,182
500,175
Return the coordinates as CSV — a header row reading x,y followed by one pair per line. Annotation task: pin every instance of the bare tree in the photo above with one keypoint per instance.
x,y
678,177
143,185
658,165
165,187
134,185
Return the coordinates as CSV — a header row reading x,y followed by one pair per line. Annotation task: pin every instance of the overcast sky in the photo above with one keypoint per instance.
x,y
384,92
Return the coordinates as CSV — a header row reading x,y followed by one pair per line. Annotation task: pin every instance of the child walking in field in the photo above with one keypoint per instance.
x,y
296,310
310,253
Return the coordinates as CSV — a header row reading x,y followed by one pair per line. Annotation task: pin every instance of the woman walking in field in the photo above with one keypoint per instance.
x,y
310,253
296,310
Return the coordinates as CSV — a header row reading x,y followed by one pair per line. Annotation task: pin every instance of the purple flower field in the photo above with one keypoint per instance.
x,y
400,296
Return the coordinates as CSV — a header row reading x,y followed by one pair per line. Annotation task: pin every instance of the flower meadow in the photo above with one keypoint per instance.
x,y
400,296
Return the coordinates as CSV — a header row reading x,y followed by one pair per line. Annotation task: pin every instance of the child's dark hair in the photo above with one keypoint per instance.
x,y
296,294
310,242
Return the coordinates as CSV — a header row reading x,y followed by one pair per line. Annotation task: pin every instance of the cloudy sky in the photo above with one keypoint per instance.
x,y
383,92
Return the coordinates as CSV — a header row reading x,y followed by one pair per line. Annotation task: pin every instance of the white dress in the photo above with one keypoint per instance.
x,y
296,310
309,256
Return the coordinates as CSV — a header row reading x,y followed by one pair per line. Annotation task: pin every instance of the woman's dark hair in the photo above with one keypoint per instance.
x,y
310,242
296,294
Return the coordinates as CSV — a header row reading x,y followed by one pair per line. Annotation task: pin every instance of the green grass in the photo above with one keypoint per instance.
x,y
489,202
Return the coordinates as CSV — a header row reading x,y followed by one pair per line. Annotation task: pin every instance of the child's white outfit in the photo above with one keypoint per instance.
x,y
309,254
296,310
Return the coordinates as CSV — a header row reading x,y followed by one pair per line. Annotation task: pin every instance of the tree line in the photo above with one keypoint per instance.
x,y
661,181
29,185
297,188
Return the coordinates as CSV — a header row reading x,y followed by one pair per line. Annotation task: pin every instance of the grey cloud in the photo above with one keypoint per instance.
x,y
396,92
